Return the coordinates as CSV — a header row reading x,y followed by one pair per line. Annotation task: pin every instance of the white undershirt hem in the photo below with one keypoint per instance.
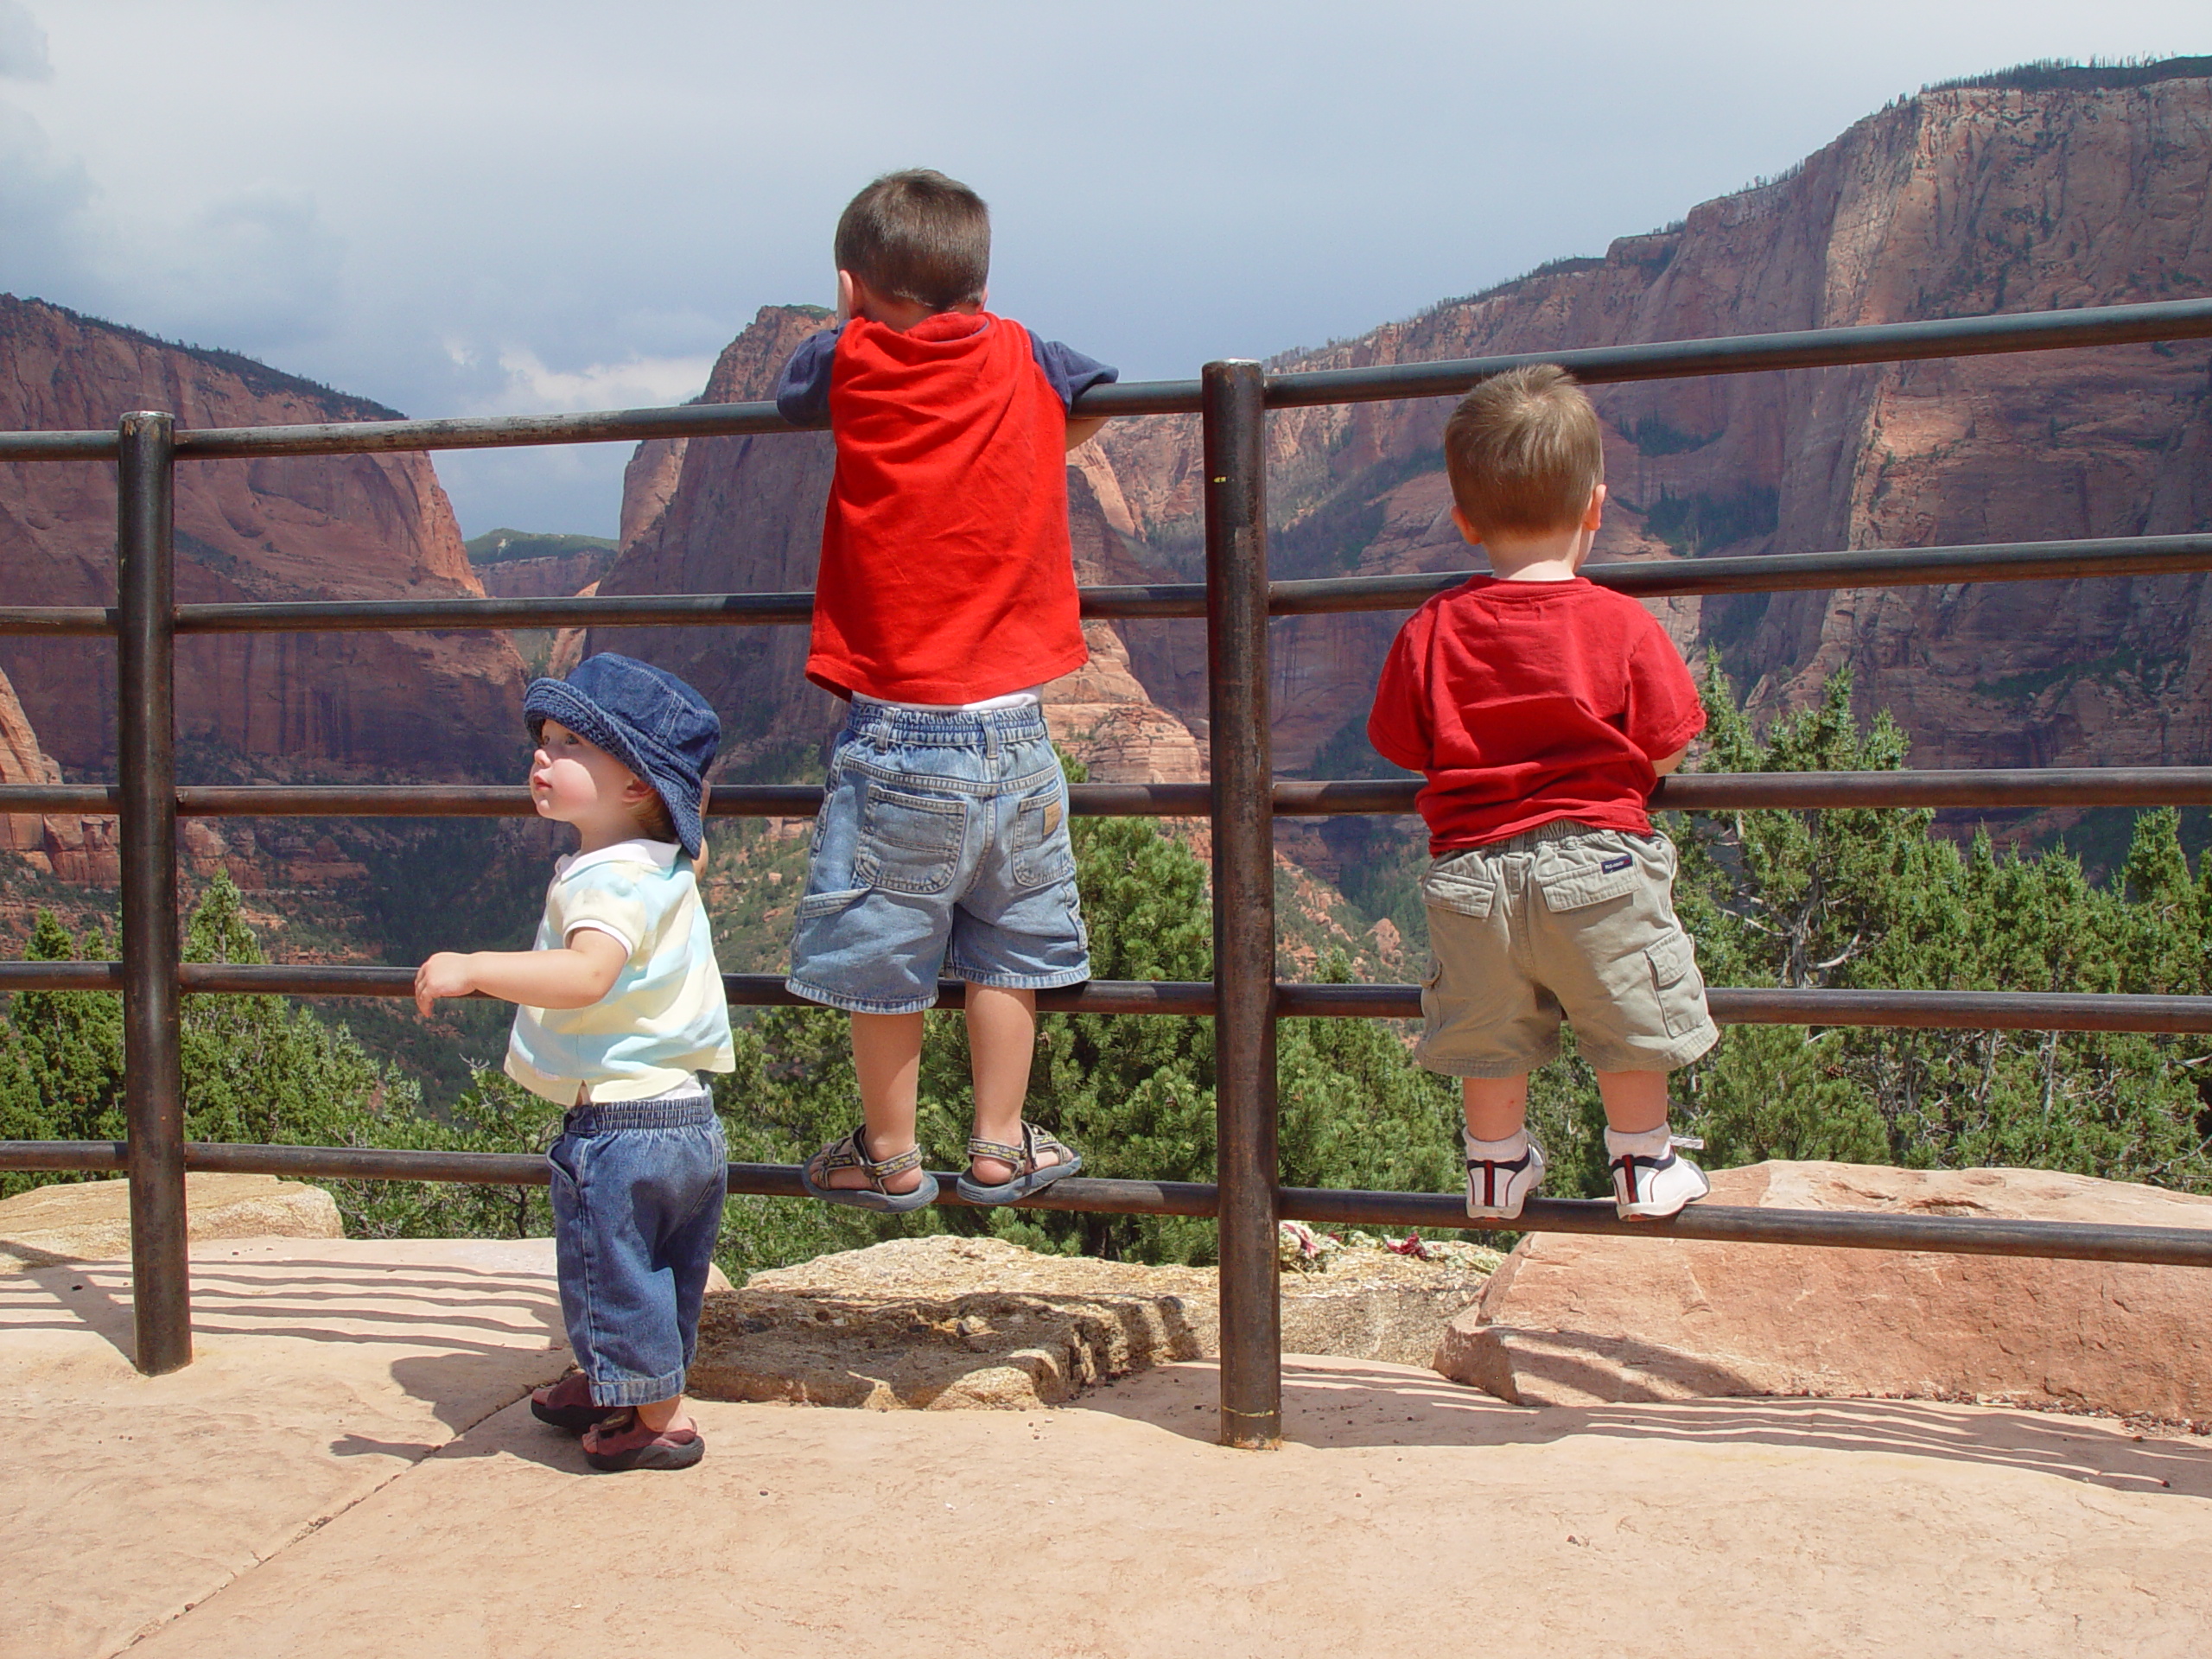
x,y
1028,697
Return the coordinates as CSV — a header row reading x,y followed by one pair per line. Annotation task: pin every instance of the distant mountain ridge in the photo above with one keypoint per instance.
x,y
434,706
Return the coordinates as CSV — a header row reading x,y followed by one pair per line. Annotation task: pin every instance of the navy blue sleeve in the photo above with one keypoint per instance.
x,y
802,389
1071,373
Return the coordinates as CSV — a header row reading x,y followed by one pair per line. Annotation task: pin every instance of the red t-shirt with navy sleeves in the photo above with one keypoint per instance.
x,y
946,573
1525,703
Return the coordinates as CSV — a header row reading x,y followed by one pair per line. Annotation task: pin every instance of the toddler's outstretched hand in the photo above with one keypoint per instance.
x,y
447,974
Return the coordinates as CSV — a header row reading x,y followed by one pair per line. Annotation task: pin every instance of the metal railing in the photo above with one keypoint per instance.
x,y
1242,799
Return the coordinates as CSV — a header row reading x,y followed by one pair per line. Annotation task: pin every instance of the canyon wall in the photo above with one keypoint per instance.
x,y
1951,204
334,527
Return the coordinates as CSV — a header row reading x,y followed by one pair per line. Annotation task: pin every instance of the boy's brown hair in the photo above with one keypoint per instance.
x,y
653,818
1523,452
917,236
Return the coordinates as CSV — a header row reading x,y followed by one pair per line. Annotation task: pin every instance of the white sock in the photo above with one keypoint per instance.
x,y
1651,1143
1508,1151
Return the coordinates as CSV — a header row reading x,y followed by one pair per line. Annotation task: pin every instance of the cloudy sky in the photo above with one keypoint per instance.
x,y
493,206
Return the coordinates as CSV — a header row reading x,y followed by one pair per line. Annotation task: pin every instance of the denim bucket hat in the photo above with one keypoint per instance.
x,y
646,718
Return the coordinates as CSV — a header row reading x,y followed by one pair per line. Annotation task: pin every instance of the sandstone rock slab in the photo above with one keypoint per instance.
x,y
946,1323
1574,1320
90,1221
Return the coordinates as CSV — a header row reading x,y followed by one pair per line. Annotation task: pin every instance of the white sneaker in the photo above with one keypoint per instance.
x,y
1657,1187
1495,1190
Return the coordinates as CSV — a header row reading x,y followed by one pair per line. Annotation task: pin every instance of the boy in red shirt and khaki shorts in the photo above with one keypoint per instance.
x,y
1543,710
946,600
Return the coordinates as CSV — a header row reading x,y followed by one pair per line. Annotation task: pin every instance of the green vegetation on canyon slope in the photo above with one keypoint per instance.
x,y
1844,899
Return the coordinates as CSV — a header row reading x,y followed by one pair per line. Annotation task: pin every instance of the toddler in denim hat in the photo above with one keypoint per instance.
x,y
946,601
621,1008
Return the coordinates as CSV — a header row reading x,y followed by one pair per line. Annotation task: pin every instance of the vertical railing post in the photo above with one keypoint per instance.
x,y
1244,902
146,769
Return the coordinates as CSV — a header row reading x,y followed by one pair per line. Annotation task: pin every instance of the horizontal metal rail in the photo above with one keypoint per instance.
x,y
1776,573
1730,1005
1892,342
1911,566
2022,788
1699,1222
1808,348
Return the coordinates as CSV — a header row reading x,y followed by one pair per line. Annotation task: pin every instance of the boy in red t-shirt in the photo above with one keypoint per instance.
x,y
946,600
1543,710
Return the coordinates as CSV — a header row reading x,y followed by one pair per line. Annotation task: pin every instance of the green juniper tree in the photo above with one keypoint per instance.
x,y
1870,899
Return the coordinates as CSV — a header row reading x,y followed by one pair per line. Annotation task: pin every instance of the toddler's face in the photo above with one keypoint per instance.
x,y
572,778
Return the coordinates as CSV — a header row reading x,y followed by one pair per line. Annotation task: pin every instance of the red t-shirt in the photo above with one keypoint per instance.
x,y
946,573
1529,702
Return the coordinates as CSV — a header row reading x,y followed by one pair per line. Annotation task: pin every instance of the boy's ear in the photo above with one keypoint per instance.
x,y
1474,536
1596,510
846,307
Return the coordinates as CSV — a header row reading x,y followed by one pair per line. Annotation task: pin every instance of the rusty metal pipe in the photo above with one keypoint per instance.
x,y
146,762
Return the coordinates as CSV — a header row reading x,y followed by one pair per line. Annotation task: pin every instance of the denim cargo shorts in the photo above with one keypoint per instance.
x,y
942,844
1564,922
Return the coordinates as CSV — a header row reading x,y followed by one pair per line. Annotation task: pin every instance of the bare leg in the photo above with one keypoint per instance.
x,y
887,1056
1635,1102
665,1413
1495,1108
659,1415
1002,1039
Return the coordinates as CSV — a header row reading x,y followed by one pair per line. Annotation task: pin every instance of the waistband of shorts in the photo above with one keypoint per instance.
x,y
1529,839
669,1112
867,723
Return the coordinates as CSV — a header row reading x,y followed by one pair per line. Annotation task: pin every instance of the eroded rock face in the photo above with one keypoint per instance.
x,y
90,1220
957,1324
1951,204
73,848
737,515
1574,1320
555,577
334,527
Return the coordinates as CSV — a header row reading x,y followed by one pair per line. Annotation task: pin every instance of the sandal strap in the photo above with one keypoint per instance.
x,y
851,1152
1023,1157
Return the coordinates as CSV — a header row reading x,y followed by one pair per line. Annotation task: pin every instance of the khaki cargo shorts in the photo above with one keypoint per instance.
x,y
1564,922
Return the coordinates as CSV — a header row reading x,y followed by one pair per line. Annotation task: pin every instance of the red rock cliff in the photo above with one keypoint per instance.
x,y
352,526
1951,204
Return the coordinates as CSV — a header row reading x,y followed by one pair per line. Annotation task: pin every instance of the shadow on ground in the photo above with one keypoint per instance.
x,y
1329,1404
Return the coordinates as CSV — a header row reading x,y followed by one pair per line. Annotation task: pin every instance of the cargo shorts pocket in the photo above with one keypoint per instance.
x,y
908,843
1043,855
817,904
1679,985
1589,877
1467,890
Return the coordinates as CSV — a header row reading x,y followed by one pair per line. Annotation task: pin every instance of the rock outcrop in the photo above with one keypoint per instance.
x,y
731,515
1950,204
947,1324
340,526
90,1221
74,848
555,576
1574,1320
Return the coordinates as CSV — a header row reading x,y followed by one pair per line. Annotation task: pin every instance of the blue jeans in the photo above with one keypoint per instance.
x,y
637,1190
942,843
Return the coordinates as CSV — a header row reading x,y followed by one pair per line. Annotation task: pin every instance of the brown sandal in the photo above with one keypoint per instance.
x,y
1029,1176
622,1442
